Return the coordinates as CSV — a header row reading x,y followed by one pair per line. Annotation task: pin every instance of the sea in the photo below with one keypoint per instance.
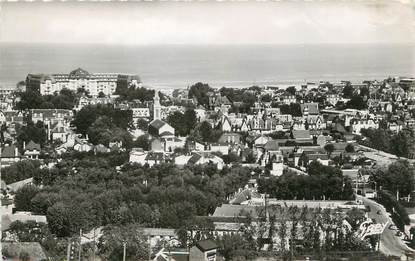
x,y
179,66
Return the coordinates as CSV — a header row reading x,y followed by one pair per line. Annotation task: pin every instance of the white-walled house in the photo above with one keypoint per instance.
x,y
359,124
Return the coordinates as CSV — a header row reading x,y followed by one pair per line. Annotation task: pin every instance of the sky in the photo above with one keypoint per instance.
x,y
208,22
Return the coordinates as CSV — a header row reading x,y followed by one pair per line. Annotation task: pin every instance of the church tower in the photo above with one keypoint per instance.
x,y
156,106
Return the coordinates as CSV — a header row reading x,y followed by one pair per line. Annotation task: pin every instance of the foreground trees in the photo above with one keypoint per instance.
x,y
87,192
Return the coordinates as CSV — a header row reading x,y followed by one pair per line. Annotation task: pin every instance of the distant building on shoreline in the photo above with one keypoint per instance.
x,y
93,83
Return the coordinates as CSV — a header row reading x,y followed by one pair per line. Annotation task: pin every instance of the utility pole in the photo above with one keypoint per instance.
x,y
1,216
149,248
291,249
124,251
68,252
80,245
93,250
357,184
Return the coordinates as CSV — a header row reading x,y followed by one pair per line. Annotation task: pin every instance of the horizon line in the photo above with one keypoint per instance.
x,y
204,44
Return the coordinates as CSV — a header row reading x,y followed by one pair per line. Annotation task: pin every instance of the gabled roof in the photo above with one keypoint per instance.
x,y
166,133
271,145
227,210
206,245
156,156
32,146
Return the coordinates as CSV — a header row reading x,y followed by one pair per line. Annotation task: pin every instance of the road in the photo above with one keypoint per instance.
x,y
390,244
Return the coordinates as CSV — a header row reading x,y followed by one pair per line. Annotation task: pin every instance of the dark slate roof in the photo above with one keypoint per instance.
x,y
271,145
206,245
227,210
195,158
157,124
32,146
301,134
156,156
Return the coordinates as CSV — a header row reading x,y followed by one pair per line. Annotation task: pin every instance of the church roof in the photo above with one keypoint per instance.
x,y
157,124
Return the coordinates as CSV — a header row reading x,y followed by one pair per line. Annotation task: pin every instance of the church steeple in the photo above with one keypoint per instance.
x,y
156,106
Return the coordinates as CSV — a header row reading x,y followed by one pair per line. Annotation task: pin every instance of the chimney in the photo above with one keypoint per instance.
x,y
16,151
24,145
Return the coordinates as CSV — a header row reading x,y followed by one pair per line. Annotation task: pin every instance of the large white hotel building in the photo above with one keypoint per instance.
x,y
94,83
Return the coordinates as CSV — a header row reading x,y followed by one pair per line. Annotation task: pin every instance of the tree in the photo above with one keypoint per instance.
x,y
356,102
364,91
231,158
200,92
142,124
142,142
397,177
190,119
348,90
303,160
349,148
278,135
103,124
176,120
266,98
291,90
20,170
30,99
59,219
183,123
329,148
111,243
294,109
205,130
323,182
23,197
32,132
